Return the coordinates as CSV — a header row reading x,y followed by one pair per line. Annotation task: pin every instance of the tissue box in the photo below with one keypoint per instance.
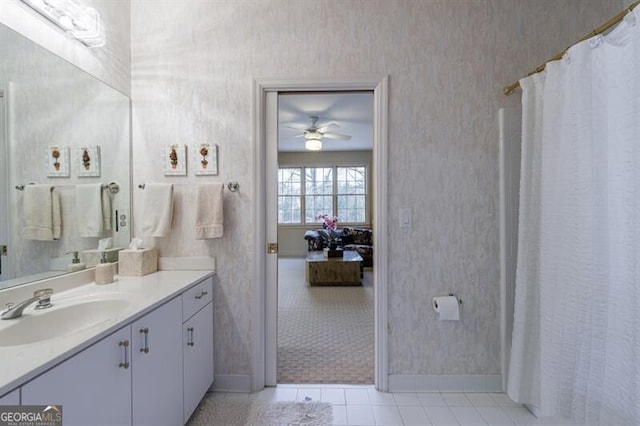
x,y
137,262
92,257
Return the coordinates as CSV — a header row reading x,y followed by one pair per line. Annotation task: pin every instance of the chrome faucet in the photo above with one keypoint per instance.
x,y
42,296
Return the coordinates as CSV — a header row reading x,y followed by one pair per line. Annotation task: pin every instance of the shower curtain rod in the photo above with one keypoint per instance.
x,y
599,30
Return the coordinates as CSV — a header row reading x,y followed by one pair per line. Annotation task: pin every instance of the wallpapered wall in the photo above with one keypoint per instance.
x,y
192,69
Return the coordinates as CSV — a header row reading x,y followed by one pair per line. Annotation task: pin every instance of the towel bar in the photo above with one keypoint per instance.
x,y
231,186
113,187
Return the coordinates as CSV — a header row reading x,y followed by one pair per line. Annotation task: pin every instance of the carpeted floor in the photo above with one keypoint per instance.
x,y
214,411
325,334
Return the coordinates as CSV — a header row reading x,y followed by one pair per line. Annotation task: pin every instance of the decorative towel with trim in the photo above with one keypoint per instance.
x,y
41,211
209,217
90,220
157,209
106,210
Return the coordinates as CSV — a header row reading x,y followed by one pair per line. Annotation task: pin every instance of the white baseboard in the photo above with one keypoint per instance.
x,y
231,383
445,383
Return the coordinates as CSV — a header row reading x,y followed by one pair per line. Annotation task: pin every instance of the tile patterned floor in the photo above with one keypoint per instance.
x,y
364,406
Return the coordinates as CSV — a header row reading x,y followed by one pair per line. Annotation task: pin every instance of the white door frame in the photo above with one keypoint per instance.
x,y
264,313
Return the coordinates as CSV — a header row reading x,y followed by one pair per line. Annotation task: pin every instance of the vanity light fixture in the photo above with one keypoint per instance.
x,y
76,19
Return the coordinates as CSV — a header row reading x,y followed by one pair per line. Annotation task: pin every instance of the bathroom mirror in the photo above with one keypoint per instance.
x,y
47,102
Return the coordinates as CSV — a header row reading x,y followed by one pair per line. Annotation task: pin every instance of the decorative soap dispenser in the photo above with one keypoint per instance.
x,y
104,271
75,264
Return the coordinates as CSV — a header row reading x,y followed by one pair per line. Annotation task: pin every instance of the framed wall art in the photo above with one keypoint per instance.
x,y
175,160
88,161
57,161
205,159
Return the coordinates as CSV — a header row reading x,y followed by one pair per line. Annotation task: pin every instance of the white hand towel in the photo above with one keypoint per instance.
x,y
90,221
56,214
106,209
157,209
42,218
209,217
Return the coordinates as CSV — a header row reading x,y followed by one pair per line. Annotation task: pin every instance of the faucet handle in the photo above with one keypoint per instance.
x,y
44,296
43,293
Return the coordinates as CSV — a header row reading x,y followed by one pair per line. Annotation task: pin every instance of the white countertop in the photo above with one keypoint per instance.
x,y
19,364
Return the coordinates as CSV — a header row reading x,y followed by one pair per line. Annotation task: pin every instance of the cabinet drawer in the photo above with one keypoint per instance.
x,y
196,297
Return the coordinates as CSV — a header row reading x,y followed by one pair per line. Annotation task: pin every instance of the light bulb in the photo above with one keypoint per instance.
x,y
313,144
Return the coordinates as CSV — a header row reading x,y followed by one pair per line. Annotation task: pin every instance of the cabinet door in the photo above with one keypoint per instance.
x,y
12,398
197,358
157,366
93,387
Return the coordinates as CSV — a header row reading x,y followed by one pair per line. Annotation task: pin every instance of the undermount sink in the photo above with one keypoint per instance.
x,y
36,326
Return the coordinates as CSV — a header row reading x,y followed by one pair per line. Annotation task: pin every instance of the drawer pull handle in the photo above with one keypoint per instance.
x,y
145,336
124,344
190,337
202,294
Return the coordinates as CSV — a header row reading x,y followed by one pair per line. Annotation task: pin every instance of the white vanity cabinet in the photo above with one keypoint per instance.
x,y
197,349
156,366
103,385
153,371
93,387
12,398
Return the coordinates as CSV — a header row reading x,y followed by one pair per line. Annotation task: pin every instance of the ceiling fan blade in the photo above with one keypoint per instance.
x,y
297,126
324,127
336,136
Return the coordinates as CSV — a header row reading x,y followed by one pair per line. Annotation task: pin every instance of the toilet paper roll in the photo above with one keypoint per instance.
x,y
447,308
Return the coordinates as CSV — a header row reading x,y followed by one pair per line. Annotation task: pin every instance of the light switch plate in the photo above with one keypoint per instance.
x,y
405,218
122,220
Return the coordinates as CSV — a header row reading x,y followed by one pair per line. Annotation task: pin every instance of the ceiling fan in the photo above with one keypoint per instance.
x,y
316,132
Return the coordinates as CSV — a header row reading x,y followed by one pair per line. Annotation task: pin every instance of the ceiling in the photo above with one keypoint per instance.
x,y
352,111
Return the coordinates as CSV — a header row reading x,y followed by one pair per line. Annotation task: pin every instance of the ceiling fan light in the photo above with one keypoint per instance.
x,y
312,134
313,144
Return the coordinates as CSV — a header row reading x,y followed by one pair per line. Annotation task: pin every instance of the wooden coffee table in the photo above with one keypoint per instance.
x,y
338,271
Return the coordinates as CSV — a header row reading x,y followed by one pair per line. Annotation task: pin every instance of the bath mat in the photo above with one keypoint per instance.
x,y
214,411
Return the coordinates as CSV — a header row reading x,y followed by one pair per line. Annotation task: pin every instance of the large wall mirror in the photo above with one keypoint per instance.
x,y
47,102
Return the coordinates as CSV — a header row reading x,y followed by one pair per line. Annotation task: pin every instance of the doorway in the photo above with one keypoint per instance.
x,y
264,362
325,143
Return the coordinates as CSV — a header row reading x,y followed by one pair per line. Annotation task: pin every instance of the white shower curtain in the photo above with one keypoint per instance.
x,y
576,334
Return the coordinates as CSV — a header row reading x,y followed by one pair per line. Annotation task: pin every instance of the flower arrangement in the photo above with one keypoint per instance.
x,y
328,222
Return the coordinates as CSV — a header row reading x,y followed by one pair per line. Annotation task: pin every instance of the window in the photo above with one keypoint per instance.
x,y
351,193
305,192
318,196
289,192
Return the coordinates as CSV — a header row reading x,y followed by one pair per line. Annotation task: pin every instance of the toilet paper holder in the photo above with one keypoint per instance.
x,y
450,294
